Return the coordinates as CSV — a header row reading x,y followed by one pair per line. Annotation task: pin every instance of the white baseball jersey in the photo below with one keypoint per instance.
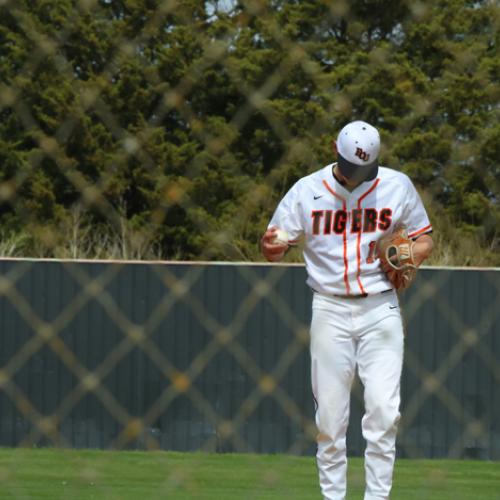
x,y
341,227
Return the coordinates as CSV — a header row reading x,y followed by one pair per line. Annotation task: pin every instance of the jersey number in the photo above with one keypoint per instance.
x,y
371,252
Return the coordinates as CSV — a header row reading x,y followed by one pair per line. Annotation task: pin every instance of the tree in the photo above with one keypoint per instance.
x,y
171,129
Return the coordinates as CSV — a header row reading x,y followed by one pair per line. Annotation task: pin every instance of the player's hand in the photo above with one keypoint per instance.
x,y
272,251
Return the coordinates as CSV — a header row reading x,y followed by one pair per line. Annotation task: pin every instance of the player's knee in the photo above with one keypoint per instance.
x,y
390,419
383,415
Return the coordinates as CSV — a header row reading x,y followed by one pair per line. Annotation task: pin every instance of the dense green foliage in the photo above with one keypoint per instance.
x,y
162,129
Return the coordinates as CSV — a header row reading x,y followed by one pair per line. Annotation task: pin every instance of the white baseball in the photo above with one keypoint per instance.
x,y
280,237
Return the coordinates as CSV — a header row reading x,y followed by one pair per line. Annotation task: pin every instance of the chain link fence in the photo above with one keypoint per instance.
x,y
214,358
148,131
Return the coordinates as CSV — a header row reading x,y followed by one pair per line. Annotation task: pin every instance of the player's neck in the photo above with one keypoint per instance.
x,y
350,186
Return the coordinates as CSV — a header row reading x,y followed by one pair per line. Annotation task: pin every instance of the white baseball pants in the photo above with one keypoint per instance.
x,y
366,333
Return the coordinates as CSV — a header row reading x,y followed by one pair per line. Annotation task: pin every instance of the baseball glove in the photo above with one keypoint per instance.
x,y
395,252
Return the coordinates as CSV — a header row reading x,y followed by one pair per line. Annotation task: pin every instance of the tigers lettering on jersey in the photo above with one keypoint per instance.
x,y
362,220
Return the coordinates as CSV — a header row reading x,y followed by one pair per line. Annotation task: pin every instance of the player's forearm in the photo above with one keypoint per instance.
x,y
422,248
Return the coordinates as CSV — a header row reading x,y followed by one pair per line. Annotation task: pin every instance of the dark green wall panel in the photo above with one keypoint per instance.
x,y
215,357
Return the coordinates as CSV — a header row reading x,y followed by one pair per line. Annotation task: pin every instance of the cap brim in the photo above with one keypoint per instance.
x,y
357,172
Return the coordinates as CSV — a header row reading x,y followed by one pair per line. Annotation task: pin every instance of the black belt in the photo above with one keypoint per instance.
x,y
360,296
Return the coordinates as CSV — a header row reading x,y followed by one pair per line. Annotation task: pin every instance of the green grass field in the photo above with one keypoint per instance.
x,y
76,474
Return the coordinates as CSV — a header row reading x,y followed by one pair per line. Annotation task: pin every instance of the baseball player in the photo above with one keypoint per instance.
x,y
341,211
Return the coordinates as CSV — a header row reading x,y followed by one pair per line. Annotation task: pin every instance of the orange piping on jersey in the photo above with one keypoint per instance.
x,y
344,237
358,245
420,231
341,198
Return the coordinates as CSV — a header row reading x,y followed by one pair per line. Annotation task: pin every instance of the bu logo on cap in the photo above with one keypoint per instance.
x,y
363,155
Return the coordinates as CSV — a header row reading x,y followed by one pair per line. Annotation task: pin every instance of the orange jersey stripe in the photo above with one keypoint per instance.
x,y
420,231
363,196
333,192
358,246
344,237
346,262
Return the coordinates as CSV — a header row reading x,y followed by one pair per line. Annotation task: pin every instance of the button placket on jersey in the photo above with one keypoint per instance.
x,y
351,243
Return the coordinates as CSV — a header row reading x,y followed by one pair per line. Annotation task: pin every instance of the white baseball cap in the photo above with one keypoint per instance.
x,y
358,147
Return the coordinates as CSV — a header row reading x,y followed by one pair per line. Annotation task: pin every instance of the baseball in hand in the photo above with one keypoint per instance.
x,y
280,237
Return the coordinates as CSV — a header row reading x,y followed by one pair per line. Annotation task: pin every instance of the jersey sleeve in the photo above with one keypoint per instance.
x,y
415,217
287,214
